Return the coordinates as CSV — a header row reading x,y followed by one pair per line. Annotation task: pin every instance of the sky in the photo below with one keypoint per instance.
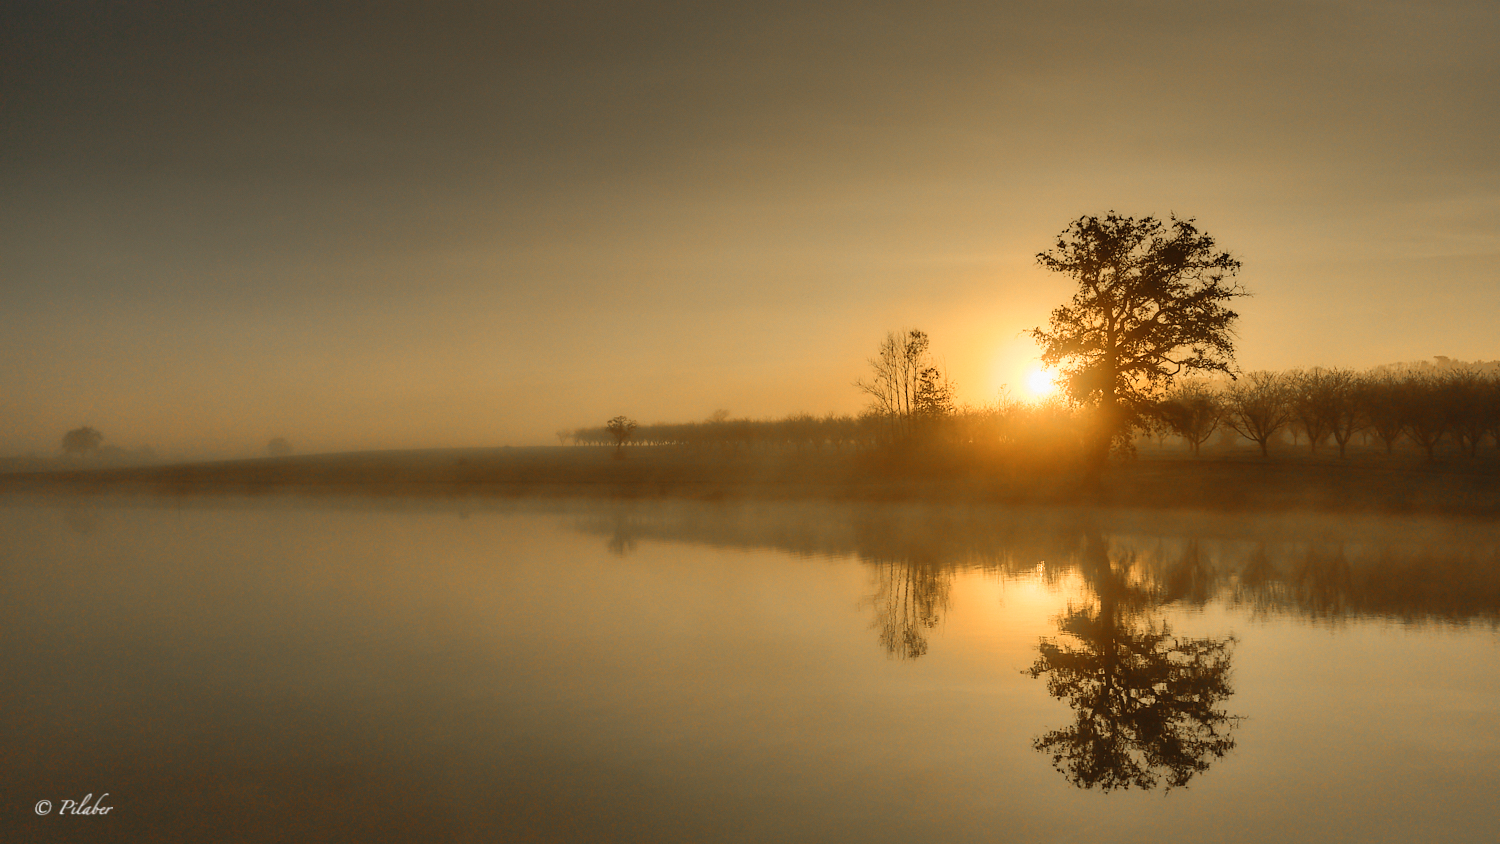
x,y
410,225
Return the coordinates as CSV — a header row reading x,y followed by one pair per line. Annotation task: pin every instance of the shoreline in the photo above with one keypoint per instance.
x,y
1150,481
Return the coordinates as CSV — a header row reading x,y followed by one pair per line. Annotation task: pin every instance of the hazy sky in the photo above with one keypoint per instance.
x,y
435,223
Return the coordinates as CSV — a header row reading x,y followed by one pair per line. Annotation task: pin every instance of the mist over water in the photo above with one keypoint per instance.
x,y
465,670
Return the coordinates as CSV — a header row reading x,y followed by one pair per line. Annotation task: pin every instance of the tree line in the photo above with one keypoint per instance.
x,y
1420,403
800,430
1143,346
1424,405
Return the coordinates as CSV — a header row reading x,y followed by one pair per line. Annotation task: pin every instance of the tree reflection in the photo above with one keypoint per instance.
x,y
909,600
621,527
1146,700
622,544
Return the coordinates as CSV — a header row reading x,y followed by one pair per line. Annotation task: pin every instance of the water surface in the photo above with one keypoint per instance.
x,y
251,671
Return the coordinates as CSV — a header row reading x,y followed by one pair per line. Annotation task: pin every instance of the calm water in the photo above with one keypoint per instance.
x,y
234,671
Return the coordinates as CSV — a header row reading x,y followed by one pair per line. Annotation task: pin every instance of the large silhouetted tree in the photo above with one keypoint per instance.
x,y
1152,303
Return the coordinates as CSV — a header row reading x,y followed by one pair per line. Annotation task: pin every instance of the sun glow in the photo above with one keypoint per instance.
x,y
1041,383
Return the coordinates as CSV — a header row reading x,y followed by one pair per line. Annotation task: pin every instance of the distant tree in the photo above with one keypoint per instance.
x,y
1310,397
1338,394
934,398
1464,393
83,440
1379,397
933,408
900,368
563,435
1151,304
1492,407
1192,410
1423,417
278,447
621,428
1256,407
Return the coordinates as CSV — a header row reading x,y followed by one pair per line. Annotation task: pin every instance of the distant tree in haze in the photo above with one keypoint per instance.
x,y
1338,397
278,447
1256,407
563,435
1492,407
1191,410
83,440
934,398
1310,399
621,428
1151,305
934,408
1423,417
1463,395
906,384
1378,397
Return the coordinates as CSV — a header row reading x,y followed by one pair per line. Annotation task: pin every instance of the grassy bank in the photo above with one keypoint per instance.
x,y
1224,482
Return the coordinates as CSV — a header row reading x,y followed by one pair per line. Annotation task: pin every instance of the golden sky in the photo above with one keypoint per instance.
x,y
384,225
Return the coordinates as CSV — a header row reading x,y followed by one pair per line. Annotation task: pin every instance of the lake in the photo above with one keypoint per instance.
x,y
252,670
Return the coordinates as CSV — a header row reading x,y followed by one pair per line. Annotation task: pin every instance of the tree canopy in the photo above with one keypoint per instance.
x,y
1151,304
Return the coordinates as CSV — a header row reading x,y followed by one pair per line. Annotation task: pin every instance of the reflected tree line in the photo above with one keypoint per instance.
x,y
1414,573
1149,704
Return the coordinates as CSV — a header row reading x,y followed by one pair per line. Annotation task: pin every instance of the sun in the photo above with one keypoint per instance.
x,y
1041,383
